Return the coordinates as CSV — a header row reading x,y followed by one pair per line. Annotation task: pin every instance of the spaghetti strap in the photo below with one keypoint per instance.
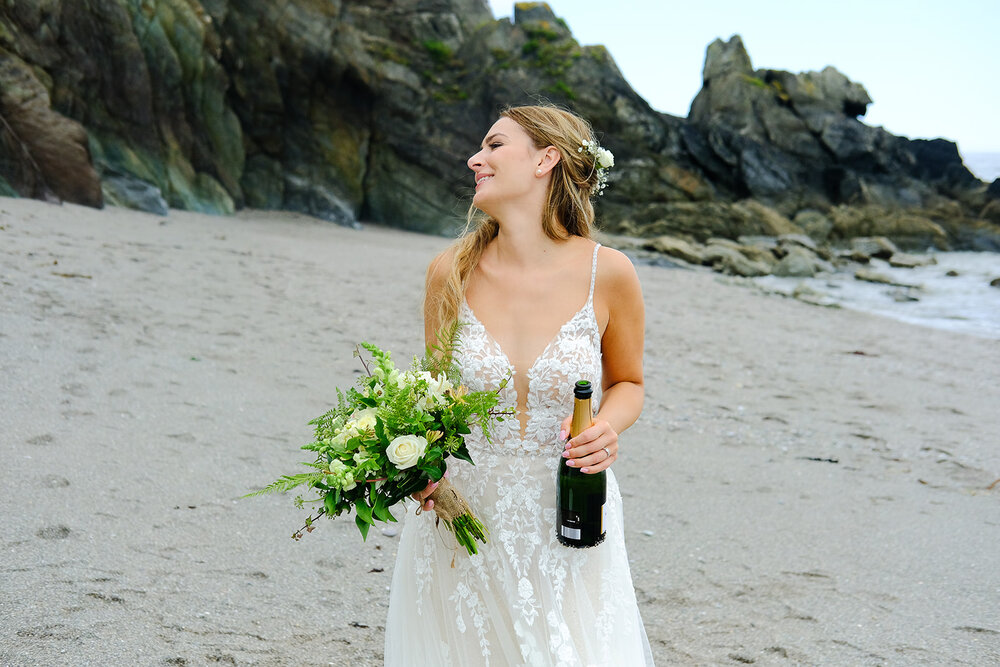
x,y
593,275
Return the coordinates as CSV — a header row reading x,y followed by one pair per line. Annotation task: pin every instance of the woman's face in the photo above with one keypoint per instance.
x,y
505,166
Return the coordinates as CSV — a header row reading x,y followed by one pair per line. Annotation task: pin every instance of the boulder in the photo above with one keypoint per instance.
x,y
906,228
995,282
807,294
873,246
813,223
726,259
675,247
904,260
868,275
991,211
800,262
797,239
131,192
766,242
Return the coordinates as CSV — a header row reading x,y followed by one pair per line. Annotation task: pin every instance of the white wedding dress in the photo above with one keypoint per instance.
x,y
524,599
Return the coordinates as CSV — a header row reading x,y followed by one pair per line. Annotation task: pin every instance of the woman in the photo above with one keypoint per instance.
x,y
541,303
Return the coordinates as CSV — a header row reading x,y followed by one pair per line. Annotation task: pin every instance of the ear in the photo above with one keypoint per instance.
x,y
547,159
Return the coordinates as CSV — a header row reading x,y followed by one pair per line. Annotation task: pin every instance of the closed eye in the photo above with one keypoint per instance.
x,y
495,145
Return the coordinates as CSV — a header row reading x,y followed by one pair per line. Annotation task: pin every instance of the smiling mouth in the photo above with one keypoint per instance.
x,y
482,179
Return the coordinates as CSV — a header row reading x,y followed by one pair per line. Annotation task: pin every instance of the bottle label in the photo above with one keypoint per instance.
x,y
570,533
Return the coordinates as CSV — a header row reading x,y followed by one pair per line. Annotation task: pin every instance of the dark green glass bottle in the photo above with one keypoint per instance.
x,y
580,497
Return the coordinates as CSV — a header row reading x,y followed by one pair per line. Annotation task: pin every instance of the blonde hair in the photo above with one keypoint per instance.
x,y
568,209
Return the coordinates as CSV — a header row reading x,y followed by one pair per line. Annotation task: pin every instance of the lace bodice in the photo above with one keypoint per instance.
x,y
573,354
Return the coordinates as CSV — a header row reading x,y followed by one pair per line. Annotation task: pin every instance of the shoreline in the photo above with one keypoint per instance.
x,y
805,484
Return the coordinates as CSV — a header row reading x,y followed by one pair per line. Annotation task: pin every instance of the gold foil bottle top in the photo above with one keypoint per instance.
x,y
583,415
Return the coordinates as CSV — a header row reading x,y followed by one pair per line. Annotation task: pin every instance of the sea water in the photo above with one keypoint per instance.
x,y
964,302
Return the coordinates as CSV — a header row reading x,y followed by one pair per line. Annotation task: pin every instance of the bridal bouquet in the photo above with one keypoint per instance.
x,y
388,438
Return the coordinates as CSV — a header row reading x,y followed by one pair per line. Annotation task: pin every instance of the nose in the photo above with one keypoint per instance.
x,y
475,161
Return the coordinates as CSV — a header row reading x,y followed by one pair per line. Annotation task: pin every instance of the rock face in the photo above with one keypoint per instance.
x,y
45,154
351,109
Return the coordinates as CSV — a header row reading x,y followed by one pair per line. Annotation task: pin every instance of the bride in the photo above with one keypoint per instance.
x,y
543,304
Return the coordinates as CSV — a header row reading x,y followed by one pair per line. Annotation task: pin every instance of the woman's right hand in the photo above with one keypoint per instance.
x,y
421,497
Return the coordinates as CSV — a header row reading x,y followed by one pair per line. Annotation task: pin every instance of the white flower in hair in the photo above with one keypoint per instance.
x,y
603,160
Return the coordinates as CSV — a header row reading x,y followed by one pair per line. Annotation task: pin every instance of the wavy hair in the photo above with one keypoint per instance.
x,y
568,209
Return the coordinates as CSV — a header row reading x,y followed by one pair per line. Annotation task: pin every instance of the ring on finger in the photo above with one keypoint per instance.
x,y
608,452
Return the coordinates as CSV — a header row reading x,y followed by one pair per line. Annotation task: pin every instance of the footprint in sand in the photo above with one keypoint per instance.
x,y
54,533
44,439
75,389
54,481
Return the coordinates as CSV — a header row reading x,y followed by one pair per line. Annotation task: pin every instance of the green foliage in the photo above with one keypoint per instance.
x,y
439,52
774,86
562,88
541,32
386,51
502,57
352,441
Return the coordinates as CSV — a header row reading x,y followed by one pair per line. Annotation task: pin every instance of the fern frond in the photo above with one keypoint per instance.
x,y
439,355
287,483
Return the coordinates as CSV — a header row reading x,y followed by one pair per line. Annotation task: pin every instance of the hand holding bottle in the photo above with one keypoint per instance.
x,y
586,451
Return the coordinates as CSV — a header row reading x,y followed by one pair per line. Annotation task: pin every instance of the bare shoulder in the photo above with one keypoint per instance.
x,y
439,268
615,273
617,293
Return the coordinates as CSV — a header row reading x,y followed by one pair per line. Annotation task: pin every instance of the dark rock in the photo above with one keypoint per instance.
x,y
993,189
131,192
995,282
876,246
351,110
317,200
45,154
991,211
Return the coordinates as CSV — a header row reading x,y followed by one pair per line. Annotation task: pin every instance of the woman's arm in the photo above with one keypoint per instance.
x,y
621,348
437,276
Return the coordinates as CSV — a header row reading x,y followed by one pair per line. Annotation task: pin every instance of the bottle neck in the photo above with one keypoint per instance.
x,y
583,417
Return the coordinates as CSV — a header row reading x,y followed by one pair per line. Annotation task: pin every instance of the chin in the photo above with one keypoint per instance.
x,y
483,204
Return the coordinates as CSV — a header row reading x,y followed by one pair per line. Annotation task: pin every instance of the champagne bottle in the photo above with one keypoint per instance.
x,y
580,497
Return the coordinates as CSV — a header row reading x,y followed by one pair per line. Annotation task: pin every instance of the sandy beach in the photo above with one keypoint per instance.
x,y
806,485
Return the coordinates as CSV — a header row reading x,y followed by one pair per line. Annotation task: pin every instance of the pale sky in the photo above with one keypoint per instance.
x,y
932,68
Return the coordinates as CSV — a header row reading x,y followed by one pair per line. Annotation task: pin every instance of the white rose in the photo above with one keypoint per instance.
x,y
405,450
364,420
605,158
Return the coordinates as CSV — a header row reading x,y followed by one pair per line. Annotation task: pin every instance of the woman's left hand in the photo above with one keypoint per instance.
x,y
593,450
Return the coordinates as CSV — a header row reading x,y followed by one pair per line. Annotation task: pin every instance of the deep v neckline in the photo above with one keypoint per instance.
x,y
545,349
589,303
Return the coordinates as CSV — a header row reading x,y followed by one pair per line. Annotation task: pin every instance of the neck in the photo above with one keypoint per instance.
x,y
523,244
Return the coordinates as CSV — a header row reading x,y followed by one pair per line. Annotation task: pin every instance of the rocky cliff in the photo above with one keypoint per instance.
x,y
352,110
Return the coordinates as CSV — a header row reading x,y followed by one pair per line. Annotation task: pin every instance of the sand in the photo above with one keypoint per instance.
x,y
805,486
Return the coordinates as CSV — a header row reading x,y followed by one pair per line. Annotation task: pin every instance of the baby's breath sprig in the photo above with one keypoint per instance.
x,y
603,161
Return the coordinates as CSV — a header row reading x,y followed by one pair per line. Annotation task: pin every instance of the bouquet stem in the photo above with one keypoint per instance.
x,y
454,510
